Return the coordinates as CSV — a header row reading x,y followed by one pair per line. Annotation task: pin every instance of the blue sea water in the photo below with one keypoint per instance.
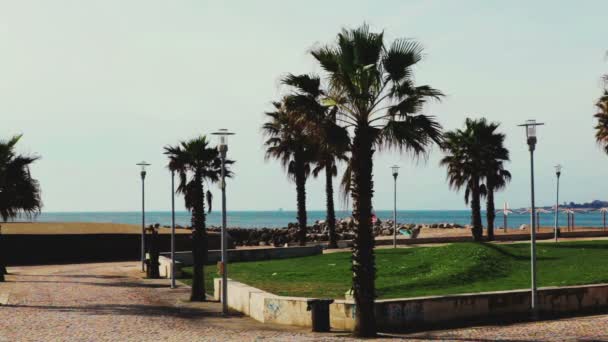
x,y
272,219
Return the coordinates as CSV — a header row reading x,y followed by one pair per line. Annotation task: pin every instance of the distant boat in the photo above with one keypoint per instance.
x,y
280,210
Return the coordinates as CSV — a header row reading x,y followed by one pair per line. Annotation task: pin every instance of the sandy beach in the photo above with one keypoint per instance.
x,y
57,228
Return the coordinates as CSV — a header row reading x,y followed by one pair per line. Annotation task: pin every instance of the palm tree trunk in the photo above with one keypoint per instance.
x,y
364,272
2,266
476,211
331,214
491,215
300,176
199,241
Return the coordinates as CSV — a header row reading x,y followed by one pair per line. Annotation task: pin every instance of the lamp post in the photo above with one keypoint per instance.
x,y
395,169
222,147
558,172
530,126
172,229
143,165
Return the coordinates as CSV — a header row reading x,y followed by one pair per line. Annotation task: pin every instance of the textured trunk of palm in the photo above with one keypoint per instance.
x,y
199,242
363,263
331,214
2,266
476,211
491,214
300,176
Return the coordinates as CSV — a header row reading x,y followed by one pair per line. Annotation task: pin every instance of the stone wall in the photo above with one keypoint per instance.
x,y
35,249
419,313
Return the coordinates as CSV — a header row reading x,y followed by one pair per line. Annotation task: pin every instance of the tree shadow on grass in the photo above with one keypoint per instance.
x,y
484,267
509,254
577,246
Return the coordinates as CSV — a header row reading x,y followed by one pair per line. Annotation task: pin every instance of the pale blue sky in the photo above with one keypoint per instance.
x,y
97,86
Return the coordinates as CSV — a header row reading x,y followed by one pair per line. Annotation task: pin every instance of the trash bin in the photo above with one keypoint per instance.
x,y
319,309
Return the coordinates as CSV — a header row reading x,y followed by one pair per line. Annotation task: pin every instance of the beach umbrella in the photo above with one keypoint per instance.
x,y
505,212
603,211
570,212
538,211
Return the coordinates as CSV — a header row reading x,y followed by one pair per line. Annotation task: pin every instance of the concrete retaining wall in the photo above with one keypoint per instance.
x,y
418,313
35,249
253,254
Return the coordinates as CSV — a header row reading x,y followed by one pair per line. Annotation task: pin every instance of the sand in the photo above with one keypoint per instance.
x,y
55,228
118,228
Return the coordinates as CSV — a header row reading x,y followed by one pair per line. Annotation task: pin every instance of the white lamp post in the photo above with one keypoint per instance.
x,y
530,126
143,165
558,172
223,149
395,169
172,229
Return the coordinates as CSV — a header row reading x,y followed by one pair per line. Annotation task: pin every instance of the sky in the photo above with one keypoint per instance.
x,y
96,86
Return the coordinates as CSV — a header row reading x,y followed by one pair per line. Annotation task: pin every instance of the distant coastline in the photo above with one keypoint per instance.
x,y
279,219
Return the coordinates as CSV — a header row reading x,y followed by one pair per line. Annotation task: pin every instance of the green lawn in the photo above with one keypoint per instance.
x,y
410,272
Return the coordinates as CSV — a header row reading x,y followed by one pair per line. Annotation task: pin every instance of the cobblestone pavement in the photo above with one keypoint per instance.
x,y
109,302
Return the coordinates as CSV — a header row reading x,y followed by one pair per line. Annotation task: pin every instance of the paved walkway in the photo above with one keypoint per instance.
x,y
109,302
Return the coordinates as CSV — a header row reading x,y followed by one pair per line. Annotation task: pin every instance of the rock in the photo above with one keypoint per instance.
x,y
387,232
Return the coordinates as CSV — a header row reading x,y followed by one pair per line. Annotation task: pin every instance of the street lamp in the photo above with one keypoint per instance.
x,y
530,126
172,228
558,172
222,147
395,169
143,165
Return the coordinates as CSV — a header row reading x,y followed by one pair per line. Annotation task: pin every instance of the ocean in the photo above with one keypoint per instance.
x,y
273,219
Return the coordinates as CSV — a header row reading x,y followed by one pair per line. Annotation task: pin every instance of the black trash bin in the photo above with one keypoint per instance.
x,y
319,313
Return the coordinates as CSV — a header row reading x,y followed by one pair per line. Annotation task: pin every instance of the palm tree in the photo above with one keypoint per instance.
x,y
464,169
473,155
196,162
372,86
331,139
496,176
289,143
601,129
19,192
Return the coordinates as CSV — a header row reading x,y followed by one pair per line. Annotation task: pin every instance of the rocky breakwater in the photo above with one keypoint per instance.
x,y
318,232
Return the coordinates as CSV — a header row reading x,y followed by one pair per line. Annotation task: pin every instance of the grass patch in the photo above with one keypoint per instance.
x,y
421,271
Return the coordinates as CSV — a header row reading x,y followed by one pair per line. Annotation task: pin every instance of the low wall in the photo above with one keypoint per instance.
x,y
30,249
253,254
263,306
419,313
524,236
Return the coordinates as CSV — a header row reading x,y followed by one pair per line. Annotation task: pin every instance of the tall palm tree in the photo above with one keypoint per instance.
x,y
195,162
464,169
19,192
496,175
372,86
331,139
289,143
474,154
601,129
